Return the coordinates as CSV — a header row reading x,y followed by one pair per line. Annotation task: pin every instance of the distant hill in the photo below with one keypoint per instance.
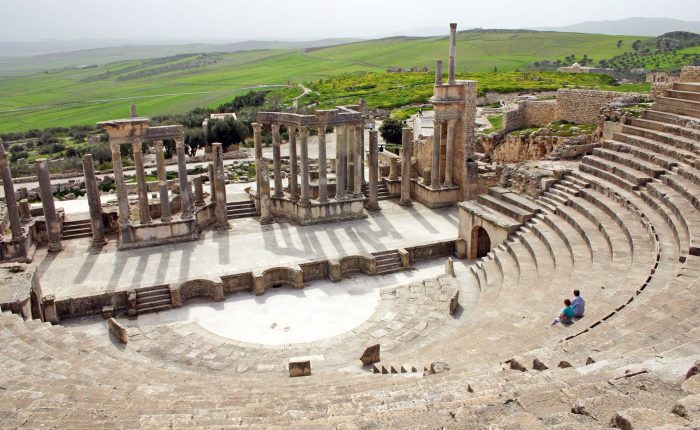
x,y
630,27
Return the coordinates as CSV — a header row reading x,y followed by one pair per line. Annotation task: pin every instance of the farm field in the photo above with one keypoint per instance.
x,y
176,84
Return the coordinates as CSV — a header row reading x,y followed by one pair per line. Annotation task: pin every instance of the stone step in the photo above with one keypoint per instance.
x,y
77,229
677,106
505,208
664,149
630,160
685,187
688,144
154,307
69,236
628,175
681,94
666,127
152,295
647,155
687,86
682,209
515,199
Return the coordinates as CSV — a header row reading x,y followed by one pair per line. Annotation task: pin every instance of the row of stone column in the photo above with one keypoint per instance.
x,y
449,153
144,212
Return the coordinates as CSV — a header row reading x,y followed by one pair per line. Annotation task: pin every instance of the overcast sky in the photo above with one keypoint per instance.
x,y
209,20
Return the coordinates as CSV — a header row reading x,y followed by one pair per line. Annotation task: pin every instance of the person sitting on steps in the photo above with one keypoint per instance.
x,y
566,316
578,304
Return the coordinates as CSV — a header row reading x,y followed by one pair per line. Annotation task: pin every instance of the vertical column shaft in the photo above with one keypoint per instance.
x,y
373,199
212,186
93,195
220,185
340,162
435,166
406,151
449,152
264,192
304,152
357,176
165,214
322,168
293,164
393,169
438,72
350,157
53,229
277,160
122,195
453,53
185,198
257,140
145,213
10,198
198,192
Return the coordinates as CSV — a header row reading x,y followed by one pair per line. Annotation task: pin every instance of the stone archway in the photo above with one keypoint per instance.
x,y
480,243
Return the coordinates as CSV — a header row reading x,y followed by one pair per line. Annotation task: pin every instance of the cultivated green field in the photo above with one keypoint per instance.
x,y
64,97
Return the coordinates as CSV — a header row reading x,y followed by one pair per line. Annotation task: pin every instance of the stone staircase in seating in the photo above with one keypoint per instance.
x,y
153,299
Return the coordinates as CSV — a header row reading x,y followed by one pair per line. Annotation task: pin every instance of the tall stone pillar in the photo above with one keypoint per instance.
x,y
406,151
438,72
264,192
93,195
277,160
361,145
453,53
10,198
257,139
212,186
373,198
198,192
435,167
185,198
350,157
145,213
449,152
53,229
322,168
25,212
122,195
293,164
340,162
304,150
220,185
165,214
357,176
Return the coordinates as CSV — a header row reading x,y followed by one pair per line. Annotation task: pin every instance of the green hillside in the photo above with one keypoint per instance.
x,y
64,97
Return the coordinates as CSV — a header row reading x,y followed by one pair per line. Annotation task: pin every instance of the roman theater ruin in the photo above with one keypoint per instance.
x,y
348,287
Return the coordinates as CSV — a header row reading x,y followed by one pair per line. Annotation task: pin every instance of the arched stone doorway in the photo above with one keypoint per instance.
x,y
480,243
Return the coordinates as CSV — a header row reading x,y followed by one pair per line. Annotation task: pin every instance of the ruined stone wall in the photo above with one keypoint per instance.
x,y
690,74
582,106
423,153
538,112
512,119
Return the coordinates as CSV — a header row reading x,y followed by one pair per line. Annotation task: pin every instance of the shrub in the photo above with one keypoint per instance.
x,y
391,130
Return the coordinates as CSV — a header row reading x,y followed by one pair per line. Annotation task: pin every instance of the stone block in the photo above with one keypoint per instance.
x,y
299,368
449,267
107,312
371,355
334,270
118,330
454,301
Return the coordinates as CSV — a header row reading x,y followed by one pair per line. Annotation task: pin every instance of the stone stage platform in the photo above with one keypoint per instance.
x,y
75,272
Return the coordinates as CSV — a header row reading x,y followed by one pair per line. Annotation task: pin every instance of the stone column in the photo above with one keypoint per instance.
x,y
322,168
361,145
53,229
25,212
406,150
303,147
165,214
453,53
393,169
449,153
357,176
10,198
277,160
257,139
373,198
198,192
293,164
122,195
145,214
435,167
220,185
264,192
340,162
438,72
182,177
212,186
350,157
93,195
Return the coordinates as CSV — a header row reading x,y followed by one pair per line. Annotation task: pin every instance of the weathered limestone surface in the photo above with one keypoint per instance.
x,y
53,227
406,151
94,202
220,185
